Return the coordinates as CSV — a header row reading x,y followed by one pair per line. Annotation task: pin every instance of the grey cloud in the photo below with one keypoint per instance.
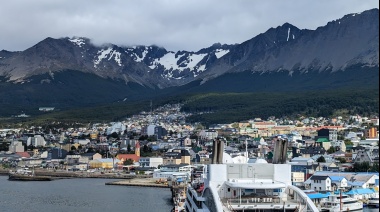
x,y
173,24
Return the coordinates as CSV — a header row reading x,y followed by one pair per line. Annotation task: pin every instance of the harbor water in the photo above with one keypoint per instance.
x,y
80,194
84,194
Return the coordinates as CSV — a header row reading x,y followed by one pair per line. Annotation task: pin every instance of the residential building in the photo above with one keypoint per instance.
x,y
338,182
363,156
330,134
36,140
16,146
297,178
319,183
312,150
72,159
56,153
87,157
208,134
323,142
371,133
151,162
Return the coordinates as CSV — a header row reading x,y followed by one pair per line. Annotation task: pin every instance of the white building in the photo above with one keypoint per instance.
x,y
208,134
16,146
298,178
338,182
151,162
37,140
82,141
319,183
117,127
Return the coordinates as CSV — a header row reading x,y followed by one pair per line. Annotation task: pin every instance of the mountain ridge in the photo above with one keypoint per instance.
x,y
285,54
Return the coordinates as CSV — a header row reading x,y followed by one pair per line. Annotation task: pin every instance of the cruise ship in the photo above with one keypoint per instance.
x,y
226,186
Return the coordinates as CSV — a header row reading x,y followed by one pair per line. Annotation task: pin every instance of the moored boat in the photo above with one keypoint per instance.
x,y
20,177
26,175
341,203
373,202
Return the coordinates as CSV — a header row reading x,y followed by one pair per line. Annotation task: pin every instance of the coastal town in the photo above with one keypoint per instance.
x,y
326,155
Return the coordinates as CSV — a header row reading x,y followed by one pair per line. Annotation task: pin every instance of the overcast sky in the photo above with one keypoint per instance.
x,y
173,24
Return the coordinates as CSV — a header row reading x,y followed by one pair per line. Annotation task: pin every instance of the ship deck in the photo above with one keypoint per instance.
x,y
260,203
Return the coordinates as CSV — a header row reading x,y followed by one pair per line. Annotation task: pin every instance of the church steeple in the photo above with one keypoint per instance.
x,y
137,148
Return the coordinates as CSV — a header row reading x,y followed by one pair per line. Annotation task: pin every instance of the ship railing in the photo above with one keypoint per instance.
x,y
259,200
302,198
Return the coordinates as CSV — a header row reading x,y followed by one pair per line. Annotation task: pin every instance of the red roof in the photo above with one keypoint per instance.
x,y
124,157
23,154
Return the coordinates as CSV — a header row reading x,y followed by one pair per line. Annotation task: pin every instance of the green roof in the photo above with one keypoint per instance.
x,y
322,140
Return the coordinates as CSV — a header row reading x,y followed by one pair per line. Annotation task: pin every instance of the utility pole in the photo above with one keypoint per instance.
x,y
151,107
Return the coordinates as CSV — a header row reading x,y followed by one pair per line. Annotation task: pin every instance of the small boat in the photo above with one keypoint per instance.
x,y
341,203
26,175
373,202
20,177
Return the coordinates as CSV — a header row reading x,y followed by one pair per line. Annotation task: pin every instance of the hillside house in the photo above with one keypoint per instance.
x,y
319,183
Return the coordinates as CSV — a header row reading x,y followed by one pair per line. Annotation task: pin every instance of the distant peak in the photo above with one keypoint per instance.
x,y
217,45
287,25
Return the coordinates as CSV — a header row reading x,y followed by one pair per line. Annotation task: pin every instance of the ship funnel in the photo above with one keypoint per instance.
x,y
280,149
217,151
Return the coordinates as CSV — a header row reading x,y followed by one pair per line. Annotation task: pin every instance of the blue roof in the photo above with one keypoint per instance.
x,y
337,178
357,183
361,191
318,195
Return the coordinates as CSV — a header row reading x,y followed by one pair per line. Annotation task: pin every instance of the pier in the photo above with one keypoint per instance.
x,y
142,182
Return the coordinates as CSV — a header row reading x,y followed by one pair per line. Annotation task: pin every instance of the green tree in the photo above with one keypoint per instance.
x,y
128,162
375,167
321,159
360,167
348,142
115,135
331,150
145,148
73,148
341,160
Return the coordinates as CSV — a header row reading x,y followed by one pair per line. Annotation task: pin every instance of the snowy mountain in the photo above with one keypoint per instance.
x,y
340,51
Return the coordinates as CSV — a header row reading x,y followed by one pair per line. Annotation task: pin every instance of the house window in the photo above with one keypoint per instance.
x,y
320,188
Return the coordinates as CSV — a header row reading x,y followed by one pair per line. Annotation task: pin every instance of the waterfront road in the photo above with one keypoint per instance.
x,y
59,174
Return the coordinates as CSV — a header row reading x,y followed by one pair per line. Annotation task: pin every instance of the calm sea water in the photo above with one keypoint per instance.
x,y
80,195
83,195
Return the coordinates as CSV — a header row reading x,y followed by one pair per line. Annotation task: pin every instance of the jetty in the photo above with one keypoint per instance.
x,y
142,182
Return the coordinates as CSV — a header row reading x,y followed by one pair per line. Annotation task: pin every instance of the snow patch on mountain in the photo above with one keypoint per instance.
x,y
139,59
170,61
110,53
287,39
77,41
221,52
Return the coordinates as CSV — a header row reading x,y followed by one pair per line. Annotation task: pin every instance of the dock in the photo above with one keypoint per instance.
x,y
142,182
